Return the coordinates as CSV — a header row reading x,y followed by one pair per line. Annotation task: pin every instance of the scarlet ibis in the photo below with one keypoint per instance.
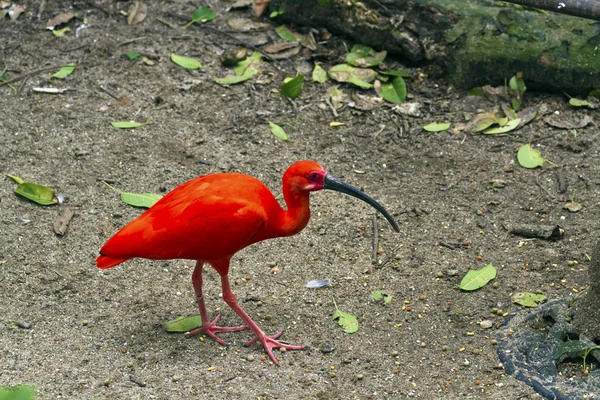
x,y
212,217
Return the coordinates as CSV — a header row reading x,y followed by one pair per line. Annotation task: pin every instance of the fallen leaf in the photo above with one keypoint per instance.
x,y
15,10
363,56
64,71
278,131
260,6
437,126
183,324
527,299
573,206
61,32
286,34
247,24
61,224
40,194
475,279
185,62
509,126
293,87
529,157
319,74
59,20
137,13
144,200
360,77
394,91
316,284
409,109
128,124
561,123
345,320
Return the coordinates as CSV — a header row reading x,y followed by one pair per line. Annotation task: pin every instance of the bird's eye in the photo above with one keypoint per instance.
x,y
314,175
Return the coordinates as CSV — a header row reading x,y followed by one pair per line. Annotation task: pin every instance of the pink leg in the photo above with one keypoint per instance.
x,y
268,342
208,328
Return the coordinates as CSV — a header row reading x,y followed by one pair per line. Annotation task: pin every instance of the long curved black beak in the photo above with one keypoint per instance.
x,y
339,186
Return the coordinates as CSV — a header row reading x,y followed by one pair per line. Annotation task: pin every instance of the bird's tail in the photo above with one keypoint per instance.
x,y
104,262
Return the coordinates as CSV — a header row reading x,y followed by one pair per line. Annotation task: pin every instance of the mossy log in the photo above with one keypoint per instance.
x,y
474,42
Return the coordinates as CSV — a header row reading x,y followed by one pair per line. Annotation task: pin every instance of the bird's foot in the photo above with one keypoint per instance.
x,y
270,343
212,329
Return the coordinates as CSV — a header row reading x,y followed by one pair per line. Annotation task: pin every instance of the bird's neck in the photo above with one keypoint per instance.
x,y
296,217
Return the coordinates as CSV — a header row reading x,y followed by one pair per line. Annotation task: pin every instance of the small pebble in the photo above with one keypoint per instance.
x,y
268,317
176,378
444,348
360,377
106,382
250,358
440,274
23,324
332,374
452,272
282,349
495,285
477,351
494,342
85,322
470,333
327,348
394,353
486,324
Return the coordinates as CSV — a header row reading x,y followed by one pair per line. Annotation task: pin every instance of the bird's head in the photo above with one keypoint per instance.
x,y
310,176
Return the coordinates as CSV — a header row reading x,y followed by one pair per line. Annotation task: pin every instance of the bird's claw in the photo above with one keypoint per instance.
x,y
270,343
212,329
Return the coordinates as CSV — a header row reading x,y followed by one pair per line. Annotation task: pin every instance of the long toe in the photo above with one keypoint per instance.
x,y
270,343
212,329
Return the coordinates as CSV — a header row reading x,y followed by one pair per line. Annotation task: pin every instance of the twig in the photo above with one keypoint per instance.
x,y
578,8
375,242
103,90
333,110
26,74
125,43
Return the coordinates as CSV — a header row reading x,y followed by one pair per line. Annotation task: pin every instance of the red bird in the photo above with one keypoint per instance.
x,y
212,217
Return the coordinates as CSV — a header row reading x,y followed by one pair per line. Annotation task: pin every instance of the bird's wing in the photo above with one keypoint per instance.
x,y
202,228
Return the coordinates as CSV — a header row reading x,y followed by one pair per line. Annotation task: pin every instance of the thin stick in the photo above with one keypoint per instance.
x,y
26,74
375,242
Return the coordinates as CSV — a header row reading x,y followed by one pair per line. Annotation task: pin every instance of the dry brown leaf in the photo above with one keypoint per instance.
x,y
260,6
137,13
563,123
61,224
59,20
15,11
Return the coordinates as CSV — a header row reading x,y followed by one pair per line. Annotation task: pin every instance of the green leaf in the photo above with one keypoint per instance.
x,y
183,324
476,91
132,55
364,56
145,200
3,77
345,320
21,392
475,279
293,87
358,76
254,61
61,32
64,71
528,157
509,126
37,193
128,124
578,103
437,126
278,131
288,35
185,62
233,79
393,72
573,206
381,295
203,14
594,93
394,91
319,74
16,179
527,299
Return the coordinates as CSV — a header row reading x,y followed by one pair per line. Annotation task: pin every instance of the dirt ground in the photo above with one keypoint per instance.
x,y
76,332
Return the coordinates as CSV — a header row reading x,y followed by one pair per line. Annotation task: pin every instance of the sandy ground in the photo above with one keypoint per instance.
x,y
76,332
